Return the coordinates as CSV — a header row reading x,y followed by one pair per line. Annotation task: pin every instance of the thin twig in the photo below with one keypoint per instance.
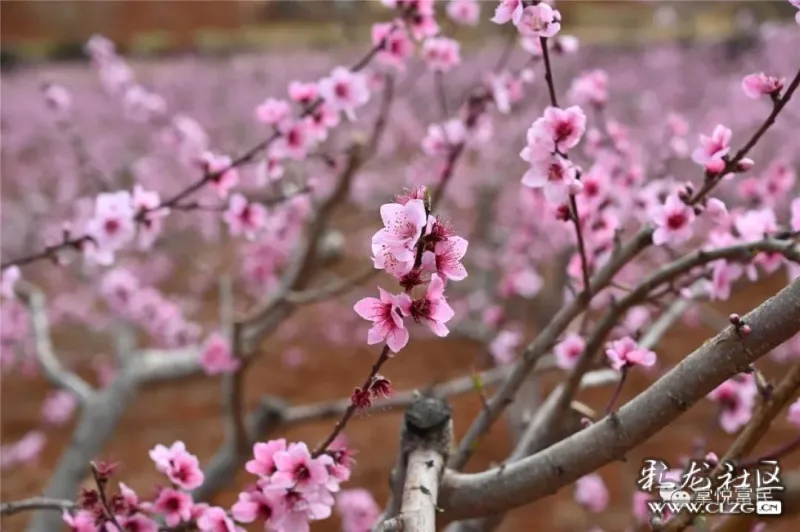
x,y
342,423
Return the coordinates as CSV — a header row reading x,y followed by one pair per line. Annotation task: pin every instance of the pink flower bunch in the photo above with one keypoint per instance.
x,y
174,506
548,141
412,244
294,487
181,467
736,398
116,218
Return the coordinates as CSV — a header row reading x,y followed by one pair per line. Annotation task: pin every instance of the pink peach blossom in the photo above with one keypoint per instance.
x,y
182,467
294,142
557,176
260,505
673,221
503,347
216,356
224,177
445,259
590,88
273,111
433,308
80,521
8,278
397,47
215,519
344,91
441,54
508,10
358,510
568,351
403,225
58,407
625,352
591,492
466,12
243,217
176,506
387,321
713,148
539,20
757,85
736,398
556,130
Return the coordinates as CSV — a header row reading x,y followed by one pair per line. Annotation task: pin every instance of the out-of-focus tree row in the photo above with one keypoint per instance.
x,y
56,29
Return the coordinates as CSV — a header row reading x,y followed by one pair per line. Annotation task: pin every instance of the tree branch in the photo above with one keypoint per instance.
x,y
500,489
35,503
424,445
55,372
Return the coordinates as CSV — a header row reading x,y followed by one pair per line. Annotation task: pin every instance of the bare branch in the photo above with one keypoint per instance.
x,y
496,490
35,503
55,372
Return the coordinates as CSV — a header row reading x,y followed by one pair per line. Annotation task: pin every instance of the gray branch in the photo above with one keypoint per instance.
x,y
424,445
35,503
500,489
99,418
55,372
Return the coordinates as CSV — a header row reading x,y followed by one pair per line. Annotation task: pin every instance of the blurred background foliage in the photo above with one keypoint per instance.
x,y
57,29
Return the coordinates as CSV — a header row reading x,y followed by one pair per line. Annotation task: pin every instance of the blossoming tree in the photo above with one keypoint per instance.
x,y
642,230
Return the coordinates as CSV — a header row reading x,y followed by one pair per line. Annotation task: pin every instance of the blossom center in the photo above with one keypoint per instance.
x,y
111,226
342,90
676,220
